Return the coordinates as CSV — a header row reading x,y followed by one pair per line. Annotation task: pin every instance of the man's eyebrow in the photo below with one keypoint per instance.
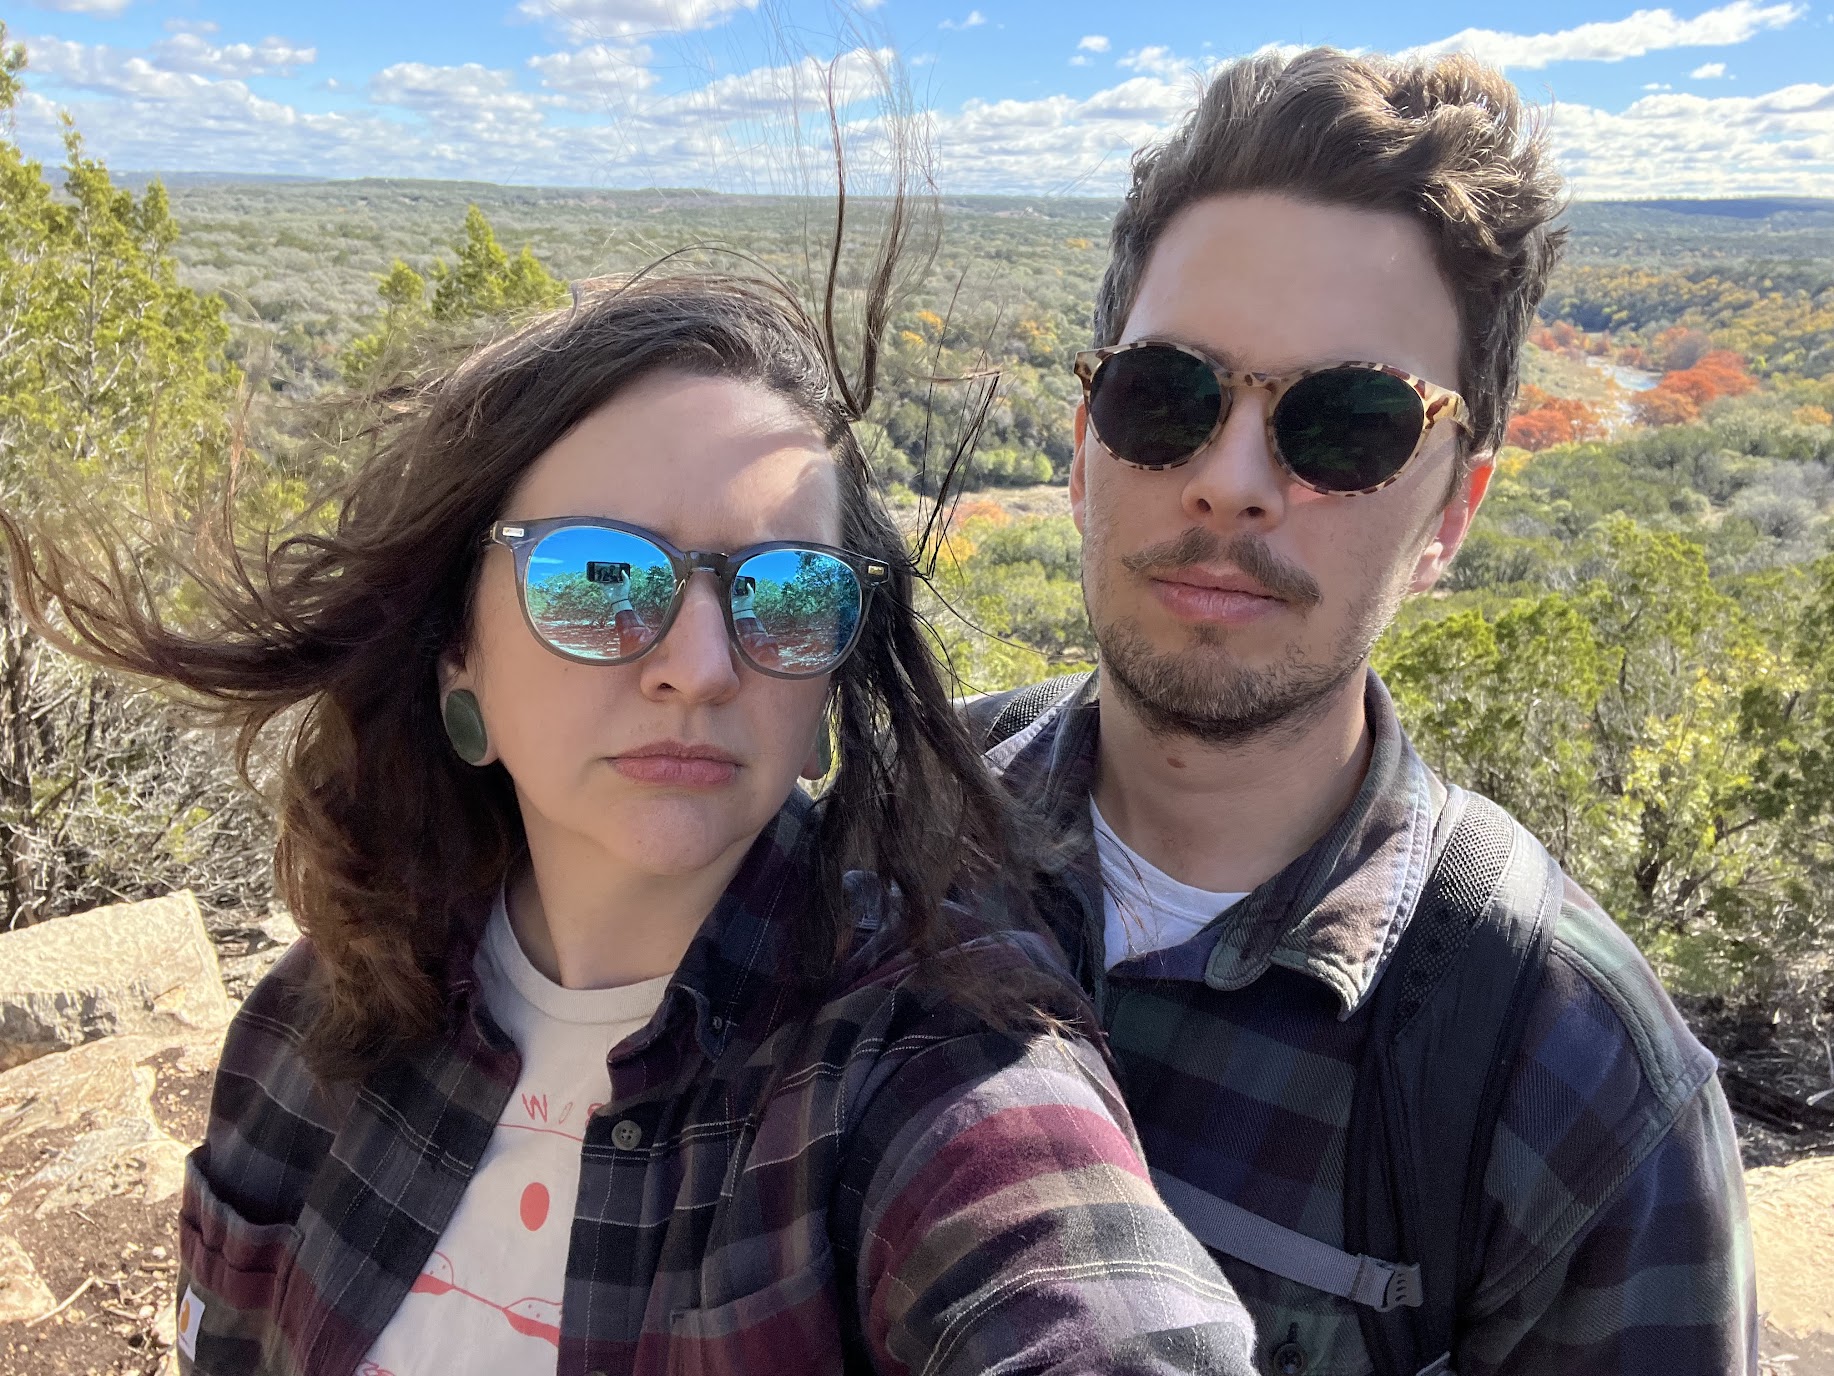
x,y
1229,361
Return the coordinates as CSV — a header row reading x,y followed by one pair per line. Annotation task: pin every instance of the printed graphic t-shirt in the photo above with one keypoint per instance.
x,y
489,1297
1145,909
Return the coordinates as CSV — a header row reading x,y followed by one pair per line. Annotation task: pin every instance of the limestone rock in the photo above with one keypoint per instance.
x,y
92,1148
94,1106
130,968
23,1295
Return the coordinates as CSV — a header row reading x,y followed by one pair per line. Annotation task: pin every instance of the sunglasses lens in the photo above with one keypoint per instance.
x,y
1154,406
1348,429
598,594
796,611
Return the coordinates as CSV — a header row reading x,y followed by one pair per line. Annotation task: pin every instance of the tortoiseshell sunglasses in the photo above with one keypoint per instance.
x,y
1344,429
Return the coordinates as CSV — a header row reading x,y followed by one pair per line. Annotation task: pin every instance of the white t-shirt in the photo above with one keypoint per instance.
x,y
489,1297
1145,908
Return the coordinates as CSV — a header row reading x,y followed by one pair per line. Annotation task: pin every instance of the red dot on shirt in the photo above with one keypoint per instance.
x,y
534,1206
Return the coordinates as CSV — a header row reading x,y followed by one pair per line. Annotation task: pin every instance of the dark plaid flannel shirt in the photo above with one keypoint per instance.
x,y
1616,1239
867,1179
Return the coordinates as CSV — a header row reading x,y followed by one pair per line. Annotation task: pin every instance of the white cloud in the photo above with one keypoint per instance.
x,y
594,76
188,52
974,21
739,132
1082,60
774,92
1657,86
1093,43
191,26
1781,142
1708,71
106,9
1614,40
1157,61
477,102
589,20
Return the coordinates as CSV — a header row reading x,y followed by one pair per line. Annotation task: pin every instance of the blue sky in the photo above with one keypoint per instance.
x,y
1020,95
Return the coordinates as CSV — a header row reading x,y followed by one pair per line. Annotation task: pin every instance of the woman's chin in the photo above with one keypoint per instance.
x,y
675,841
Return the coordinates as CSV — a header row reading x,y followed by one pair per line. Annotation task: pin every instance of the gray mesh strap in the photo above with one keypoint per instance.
x,y
1234,1231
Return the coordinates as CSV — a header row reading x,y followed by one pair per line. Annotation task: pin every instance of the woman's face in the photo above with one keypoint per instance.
x,y
596,752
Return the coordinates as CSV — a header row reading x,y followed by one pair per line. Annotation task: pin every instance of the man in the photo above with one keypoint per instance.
x,y
1421,1096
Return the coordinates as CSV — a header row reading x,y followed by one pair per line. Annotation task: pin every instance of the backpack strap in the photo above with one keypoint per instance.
x,y
1226,1227
1447,1020
995,718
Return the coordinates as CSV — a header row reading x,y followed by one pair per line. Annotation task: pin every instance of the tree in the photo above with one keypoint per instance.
x,y
483,283
486,281
114,383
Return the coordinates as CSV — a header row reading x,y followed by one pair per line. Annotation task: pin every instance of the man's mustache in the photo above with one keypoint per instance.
x,y
1249,553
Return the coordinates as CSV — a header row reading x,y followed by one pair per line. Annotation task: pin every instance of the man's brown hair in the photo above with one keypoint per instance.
x,y
1447,142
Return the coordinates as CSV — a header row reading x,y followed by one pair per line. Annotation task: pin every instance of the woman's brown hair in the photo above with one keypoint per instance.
x,y
384,834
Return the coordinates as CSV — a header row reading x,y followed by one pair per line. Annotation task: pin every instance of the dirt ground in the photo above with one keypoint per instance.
x,y
118,1256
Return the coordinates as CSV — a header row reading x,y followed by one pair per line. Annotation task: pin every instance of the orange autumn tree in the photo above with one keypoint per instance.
x,y
1682,395
1544,421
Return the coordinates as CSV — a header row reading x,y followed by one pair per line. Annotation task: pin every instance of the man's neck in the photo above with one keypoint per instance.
x,y
1229,817
587,922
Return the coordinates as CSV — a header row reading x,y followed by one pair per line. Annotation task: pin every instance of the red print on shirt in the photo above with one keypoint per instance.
x,y
530,1316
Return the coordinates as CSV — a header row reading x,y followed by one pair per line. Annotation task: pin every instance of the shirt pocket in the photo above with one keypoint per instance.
x,y
793,1322
236,1270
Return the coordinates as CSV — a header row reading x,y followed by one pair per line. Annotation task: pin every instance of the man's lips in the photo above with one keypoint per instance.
x,y
1230,597
678,763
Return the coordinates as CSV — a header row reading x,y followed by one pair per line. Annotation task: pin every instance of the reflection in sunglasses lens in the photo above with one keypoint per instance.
x,y
796,611
1348,429
1154,406
598,594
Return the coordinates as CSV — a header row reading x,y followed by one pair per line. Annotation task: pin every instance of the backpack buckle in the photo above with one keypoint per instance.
x,y
1384,1286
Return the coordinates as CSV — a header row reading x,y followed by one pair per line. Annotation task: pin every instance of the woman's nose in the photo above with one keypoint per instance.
x,y
695,659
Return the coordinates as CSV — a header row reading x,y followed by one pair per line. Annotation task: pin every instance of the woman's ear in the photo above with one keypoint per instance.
x,y
461,715
820,761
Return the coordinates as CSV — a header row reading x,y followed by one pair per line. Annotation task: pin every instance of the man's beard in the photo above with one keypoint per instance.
x,y
1205,693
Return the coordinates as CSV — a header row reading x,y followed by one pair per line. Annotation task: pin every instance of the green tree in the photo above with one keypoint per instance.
x,y
486,281
114,384
483,283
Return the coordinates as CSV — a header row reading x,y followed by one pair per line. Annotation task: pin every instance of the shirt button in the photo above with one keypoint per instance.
x,y
626,1135
1289,1359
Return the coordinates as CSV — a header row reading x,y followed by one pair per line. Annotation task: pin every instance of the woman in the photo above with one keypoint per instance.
x,y
586,616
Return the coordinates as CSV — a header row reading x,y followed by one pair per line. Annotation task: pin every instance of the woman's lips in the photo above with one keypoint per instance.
x,y
677,765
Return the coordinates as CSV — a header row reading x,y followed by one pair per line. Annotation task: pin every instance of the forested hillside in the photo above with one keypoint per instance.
x,y
1634,652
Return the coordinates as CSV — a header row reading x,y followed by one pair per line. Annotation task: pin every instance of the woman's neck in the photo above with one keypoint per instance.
x,y
587,921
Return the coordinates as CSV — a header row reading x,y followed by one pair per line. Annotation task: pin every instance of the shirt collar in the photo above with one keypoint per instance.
x,y
1335,913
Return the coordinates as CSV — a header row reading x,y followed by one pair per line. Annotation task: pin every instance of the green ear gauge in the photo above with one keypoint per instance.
x,y
465,726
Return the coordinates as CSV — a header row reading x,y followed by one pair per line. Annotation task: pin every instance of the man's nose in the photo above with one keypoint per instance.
x,y
695,659
1235,482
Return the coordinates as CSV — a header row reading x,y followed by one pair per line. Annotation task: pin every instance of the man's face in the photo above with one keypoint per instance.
x,y
1228,599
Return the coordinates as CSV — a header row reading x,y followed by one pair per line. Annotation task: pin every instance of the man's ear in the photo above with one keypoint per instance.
x,y
1453,525
1077,490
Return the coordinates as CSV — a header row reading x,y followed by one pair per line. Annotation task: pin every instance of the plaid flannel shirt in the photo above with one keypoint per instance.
x,y
1616,1239
861,1178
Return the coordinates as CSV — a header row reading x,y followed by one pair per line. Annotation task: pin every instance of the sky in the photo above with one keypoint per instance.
x,y
1016,96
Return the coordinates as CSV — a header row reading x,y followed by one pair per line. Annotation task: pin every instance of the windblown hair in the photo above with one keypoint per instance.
x,y
1446,142
384,834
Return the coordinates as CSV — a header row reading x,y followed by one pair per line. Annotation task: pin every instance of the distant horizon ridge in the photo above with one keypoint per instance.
x,y
1771,203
